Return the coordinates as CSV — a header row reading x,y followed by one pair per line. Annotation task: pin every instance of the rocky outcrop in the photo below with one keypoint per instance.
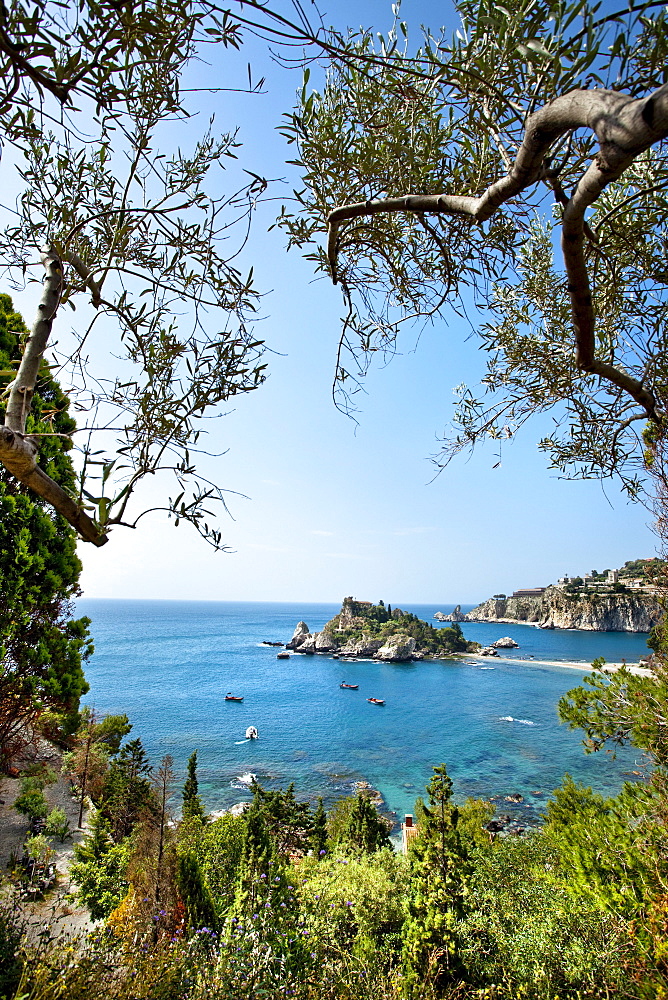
x,y
505,643
456,616
365,645
299,636
557,608
396,648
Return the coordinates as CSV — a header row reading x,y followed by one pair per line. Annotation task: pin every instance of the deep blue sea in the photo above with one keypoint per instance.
x,y
168,665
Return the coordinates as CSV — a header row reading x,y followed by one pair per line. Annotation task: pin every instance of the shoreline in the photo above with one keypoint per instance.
x,y
633,668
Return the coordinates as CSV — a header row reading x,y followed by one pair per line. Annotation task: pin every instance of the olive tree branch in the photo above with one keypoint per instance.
x,y
18,450
624,128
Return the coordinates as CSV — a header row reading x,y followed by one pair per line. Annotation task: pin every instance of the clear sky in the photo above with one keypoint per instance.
x,y
331,509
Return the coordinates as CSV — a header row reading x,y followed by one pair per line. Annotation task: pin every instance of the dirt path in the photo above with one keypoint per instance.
x,y
55,911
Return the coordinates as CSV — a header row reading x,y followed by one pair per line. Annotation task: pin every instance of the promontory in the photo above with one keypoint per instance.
x,y
620,600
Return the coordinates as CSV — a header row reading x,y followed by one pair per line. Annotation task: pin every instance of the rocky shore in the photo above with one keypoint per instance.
x,y
394,648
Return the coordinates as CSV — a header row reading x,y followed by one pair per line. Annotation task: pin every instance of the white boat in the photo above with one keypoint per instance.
x,y
251,733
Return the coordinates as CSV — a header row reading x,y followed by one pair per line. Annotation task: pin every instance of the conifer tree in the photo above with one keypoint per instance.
x,y
42,645
289,822
127,791
437,879
257,859
195,893
192,804
365,831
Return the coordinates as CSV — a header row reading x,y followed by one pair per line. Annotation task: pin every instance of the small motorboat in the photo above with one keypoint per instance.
x,y
376,701
251,733
351,687
233,697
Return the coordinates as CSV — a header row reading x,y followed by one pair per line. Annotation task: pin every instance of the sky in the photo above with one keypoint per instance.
x,y
321,507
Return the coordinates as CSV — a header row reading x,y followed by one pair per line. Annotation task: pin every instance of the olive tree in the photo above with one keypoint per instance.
x,y
138,235
440,180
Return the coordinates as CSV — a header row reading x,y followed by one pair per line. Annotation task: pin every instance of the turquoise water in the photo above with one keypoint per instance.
x,y
168,665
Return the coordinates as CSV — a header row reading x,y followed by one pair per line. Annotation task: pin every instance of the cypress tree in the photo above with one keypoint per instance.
x,y
437,884
192,804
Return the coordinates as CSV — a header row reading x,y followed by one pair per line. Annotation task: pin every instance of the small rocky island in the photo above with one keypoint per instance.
x,y
379,632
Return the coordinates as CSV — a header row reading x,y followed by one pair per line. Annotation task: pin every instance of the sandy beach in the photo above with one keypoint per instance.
x,y
587,668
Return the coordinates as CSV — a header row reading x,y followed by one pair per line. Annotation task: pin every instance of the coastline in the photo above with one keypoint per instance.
x,y
633,668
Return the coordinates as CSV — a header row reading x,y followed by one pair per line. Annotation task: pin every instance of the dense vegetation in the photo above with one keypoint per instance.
x,y
288,900
42,645
359,619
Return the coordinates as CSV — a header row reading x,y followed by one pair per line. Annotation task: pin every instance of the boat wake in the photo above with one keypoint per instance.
x,y
238,743
523,722
243,780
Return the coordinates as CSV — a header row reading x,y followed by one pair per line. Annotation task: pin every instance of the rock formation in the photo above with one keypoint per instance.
x,y
456,616
557,608
505,643
396,648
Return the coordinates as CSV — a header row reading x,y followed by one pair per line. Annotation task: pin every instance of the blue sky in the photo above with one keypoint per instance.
x,y
332,508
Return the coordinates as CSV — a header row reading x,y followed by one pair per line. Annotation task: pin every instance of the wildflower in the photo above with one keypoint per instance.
x,y
323,851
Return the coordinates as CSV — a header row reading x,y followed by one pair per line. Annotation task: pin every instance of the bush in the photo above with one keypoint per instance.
x,y
525,926
58,825
31,803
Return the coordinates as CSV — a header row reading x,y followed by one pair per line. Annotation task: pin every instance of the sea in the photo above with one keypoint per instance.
x,y
494,723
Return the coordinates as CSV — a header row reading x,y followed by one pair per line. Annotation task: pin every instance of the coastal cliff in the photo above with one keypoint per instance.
x,y
556,608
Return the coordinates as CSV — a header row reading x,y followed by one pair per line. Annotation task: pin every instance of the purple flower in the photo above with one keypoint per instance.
x,y
323,852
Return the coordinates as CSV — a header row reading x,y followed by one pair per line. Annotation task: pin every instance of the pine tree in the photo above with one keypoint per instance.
x,y
127,791
437,879
289,822
366,830
192,804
